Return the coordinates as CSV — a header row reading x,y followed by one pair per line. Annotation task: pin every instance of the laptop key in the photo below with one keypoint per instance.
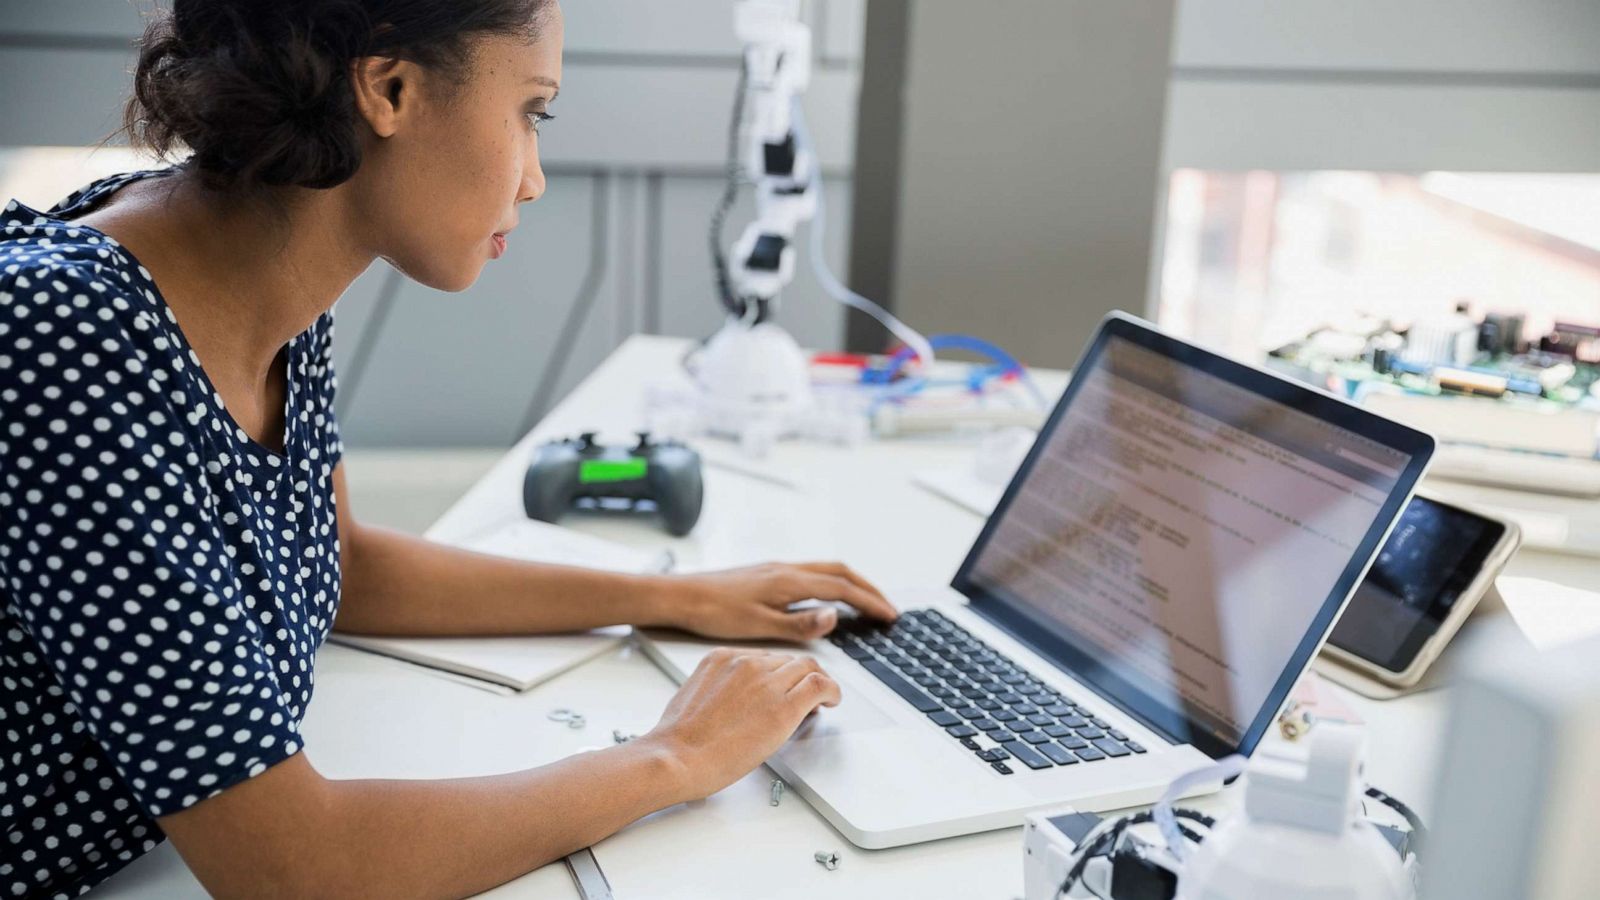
x,y
1091,733
1060,709
1057,754
1089,754
993,754
944,718
985,724
1005,715
910,692
1111,747
856,651
1056,731
970,712
1026,755
961,731
1073,742
1036,737
1041,720
987,703
1117,734
1135,747
1000,767
971,744
1041,699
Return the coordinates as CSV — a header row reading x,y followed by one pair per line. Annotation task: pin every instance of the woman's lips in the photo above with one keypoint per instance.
x,y
498,242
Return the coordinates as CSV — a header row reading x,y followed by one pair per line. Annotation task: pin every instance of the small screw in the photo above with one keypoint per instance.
x,y
828,858
777,792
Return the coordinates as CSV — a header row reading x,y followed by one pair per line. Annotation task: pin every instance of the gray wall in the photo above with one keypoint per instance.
x,y
1463,85
1028,169
616,246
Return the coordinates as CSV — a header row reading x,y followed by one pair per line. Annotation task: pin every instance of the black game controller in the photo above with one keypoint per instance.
x,y
580,472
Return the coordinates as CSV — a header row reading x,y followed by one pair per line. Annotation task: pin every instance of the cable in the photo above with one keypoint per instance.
x,y
730,192
1419,834
1163,813
977,345
600,233
819,263
1104,839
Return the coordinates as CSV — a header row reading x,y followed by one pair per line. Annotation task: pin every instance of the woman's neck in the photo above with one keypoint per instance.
x,y
242,277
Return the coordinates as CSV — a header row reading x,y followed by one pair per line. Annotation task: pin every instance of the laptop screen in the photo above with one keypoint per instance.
x,y
1186,529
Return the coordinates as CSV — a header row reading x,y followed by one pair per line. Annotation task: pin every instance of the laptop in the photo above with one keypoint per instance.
x,y
1162,568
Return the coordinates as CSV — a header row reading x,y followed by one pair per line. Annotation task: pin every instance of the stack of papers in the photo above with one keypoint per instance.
x,y
1548,613
519,663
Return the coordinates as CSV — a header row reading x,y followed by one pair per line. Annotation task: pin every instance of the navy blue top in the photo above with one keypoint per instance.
x,y
165,581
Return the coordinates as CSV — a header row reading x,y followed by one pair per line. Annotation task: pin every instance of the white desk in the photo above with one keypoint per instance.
x,y
374,717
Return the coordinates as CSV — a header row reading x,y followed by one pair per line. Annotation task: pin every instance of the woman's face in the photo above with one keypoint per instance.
x,y
440,192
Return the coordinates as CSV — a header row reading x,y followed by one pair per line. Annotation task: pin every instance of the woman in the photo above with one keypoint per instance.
x,y
175,535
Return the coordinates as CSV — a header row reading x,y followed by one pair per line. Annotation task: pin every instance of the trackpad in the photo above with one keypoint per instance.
x,y
855,712
677,654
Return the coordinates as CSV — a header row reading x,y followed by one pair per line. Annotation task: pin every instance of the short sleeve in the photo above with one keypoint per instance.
x,y
111,550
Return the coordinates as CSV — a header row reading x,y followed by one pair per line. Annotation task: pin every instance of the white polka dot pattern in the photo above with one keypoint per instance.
x,y
165,581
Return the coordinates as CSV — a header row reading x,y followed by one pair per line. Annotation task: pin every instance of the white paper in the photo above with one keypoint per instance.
x,y
536,541
961,486
1550,613
522,662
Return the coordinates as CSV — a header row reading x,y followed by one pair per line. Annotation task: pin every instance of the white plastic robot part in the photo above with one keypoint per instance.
x,y
1301,831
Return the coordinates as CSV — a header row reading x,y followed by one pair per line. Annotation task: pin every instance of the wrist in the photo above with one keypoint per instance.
x,y
664,601
668,768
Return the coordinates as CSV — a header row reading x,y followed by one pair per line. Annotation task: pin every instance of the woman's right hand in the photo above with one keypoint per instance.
x,y
734,711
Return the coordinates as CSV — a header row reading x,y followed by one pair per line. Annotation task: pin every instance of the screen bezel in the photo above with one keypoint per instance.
x,y
1460,585
1044,637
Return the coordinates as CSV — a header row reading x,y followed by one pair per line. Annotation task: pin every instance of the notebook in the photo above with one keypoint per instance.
x,y
512,664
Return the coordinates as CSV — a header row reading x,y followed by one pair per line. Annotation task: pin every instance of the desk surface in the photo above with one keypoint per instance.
x,y
379,718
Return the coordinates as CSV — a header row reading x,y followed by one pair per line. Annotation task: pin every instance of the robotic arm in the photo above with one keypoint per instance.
x,y
777,56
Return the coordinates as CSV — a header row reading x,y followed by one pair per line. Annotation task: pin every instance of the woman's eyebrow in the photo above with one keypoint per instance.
x,y
547,82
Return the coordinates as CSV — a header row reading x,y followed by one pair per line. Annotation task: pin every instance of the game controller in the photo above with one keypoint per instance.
x,y
647,476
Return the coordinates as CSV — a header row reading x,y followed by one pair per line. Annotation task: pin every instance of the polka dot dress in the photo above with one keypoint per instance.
x,y
165,581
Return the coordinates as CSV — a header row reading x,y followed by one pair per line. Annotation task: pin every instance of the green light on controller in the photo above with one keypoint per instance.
x,y
603,471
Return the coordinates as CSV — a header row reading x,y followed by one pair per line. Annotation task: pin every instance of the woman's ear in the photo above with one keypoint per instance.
x,y
385,90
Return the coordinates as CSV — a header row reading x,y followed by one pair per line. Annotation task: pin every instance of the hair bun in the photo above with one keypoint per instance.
x,y
260,92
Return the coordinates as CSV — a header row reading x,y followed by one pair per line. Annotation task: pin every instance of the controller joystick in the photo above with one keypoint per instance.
x,y
581,471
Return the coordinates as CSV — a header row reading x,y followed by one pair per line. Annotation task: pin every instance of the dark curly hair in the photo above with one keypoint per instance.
x,y
259,90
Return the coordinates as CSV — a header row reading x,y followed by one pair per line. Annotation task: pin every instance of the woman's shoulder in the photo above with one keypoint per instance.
x,y
45,260
42,248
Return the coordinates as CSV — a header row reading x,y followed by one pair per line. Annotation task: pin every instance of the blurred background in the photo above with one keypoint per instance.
x,y
1241,171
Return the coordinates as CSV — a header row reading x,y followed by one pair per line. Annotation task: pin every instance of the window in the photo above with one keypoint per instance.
x,y
1253,260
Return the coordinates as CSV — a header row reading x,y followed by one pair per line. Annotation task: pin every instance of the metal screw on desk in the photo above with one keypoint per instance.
x,y
828,858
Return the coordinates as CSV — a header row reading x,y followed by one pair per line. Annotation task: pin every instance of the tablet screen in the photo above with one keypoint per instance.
x,y
1433,554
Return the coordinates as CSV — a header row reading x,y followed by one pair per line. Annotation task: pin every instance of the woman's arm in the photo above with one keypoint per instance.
x,y
289,832
394,583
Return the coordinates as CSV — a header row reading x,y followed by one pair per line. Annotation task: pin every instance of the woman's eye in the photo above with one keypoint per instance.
x,y
535,119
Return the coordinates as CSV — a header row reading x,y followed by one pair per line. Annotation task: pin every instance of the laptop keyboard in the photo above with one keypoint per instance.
x,y
991,705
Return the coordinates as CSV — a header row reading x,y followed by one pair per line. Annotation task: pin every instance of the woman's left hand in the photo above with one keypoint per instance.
x,y
754,602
